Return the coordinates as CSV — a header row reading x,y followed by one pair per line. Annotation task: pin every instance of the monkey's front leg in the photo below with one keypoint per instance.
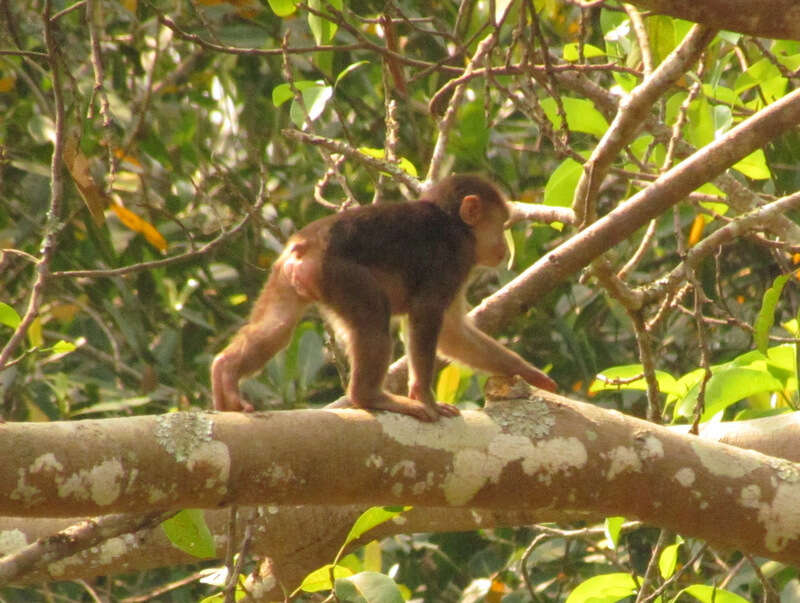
x,y
424,325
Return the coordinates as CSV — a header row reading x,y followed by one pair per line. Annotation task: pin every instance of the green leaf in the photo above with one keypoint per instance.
x,y
348,70
188,531
668,560
283,92
606,588
560,187
320,579
9,316
581,115
754,166
728,385
404,163
470,137
63,347
371,587
710,594
374,516
282,8
589,52
667,384
766,315
612,527
322,29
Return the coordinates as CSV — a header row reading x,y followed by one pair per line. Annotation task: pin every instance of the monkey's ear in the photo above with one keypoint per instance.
x,y
471,210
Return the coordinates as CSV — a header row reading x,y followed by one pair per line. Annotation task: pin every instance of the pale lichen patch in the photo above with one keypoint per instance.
x,y
622,459
787,470
279,474
46,462
557,455
474,468
114,548
212,455
781,517
685,476
470,430
181,433
155,495
723,463
532,418
374,461
750,496
27,493
404,469
12,541
651,448
102,483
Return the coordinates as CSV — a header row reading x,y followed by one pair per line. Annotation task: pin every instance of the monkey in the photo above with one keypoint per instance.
x,y
366,264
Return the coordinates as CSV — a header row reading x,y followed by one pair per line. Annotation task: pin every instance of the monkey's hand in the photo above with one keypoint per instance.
x,y
539,379
225,385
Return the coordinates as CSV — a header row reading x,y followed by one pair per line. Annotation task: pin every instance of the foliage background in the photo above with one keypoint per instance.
x,y
175,114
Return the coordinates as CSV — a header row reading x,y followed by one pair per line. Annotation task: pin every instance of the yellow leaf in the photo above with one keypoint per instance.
x,y
64,312
130,5
78,166
447,385
143,227
696,231
372,557
35,333
7,84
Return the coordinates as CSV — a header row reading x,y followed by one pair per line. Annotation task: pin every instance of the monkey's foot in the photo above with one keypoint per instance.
x,y
447,410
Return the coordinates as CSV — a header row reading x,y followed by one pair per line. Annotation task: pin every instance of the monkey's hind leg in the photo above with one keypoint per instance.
x,y
275,314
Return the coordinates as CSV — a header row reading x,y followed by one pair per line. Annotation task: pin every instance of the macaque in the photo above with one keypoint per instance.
x,y
364,265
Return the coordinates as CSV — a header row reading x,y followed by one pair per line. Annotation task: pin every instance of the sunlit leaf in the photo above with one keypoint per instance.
x,y
582,116
370,587
710,594
606,588
666,382
766,315
322,29
282,8
9,316
696,231
320,579
188,531
754,166
613,527
668,560
374,516
143,227
560,187
404,163
589,52
447,384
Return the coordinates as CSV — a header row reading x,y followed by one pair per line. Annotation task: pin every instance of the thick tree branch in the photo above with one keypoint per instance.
x,y
590,460
778,19
623,221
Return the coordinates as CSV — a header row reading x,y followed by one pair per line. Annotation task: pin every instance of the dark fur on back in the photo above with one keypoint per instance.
x,y
419,242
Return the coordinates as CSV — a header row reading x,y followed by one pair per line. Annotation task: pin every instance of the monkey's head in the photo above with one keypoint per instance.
x,y
480,205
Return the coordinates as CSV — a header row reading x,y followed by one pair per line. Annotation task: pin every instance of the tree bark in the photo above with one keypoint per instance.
x,y
532,452
774,19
